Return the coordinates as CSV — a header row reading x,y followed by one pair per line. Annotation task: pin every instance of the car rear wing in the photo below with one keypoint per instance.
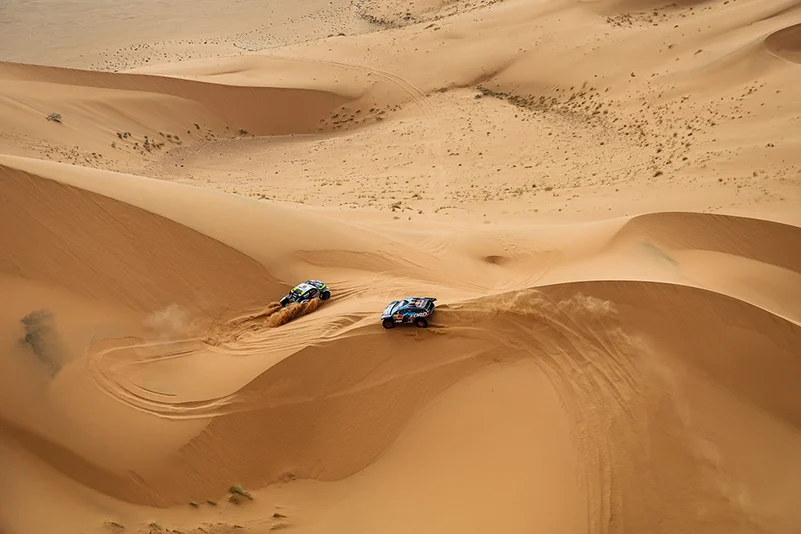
x,y
427,303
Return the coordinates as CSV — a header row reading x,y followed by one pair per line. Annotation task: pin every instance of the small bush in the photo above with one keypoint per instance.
x,y
237,493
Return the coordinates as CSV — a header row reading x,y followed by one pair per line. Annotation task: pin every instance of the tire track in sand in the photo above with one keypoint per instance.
x,y
107,363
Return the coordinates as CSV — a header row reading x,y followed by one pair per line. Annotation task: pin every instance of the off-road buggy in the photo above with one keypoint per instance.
x,y
413,310
307,291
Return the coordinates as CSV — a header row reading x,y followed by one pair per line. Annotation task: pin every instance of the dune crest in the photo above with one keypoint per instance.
x,y
786,43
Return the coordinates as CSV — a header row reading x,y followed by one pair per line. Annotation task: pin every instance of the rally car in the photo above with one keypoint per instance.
x,y
414,310
306,291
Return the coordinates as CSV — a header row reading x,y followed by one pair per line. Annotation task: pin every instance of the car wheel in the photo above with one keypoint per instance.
x,y
421,323
388,323
283,301
326,295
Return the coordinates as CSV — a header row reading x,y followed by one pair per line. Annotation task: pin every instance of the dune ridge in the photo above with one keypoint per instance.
x,y
786,43
238,105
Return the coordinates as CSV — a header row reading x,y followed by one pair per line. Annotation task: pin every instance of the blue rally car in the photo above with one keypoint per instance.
x,y
415,310
306,291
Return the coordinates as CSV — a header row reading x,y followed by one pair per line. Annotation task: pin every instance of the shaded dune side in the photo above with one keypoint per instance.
x,y
65,461
760,240
111,251
753,260
618,354
259,110
249,226
747,52
785,43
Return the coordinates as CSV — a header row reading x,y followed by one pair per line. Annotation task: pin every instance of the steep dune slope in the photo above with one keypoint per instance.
x,y
643,393
113,252
100,104
129,122
122,121
638,369
769,242
786,43
491,442
318,242
750,259
79,267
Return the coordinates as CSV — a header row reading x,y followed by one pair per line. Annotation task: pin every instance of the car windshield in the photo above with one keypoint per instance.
x,y
393,308
301,289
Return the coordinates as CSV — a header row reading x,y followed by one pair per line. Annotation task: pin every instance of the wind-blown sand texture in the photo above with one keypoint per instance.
x,y
602,195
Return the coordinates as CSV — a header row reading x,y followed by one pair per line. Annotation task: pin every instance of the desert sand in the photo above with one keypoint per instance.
x,y
604,197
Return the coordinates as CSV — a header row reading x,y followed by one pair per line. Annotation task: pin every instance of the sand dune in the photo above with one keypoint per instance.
x,y
98,106
786,43
105,259
603,197
590,359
